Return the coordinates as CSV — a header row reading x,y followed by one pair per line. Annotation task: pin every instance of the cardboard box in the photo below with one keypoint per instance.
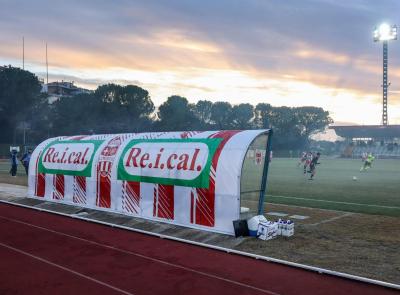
x,y
287,230
267,230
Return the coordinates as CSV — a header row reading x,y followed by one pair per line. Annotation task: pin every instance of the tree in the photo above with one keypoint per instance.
x,y
242,116
129,107
311,119
19,92
293,126
110,109
176,114
78,114
39,120
221,114
262,113
132,99
113,108
202,111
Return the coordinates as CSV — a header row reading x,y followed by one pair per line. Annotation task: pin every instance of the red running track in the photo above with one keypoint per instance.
x,y
43,253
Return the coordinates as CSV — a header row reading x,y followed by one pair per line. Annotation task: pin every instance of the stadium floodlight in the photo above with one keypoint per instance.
x,y
385,33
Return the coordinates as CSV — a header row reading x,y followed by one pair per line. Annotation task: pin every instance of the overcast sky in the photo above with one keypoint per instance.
x,y
308,52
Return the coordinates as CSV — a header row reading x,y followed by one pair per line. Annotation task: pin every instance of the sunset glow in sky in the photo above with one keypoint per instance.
x,y
294,53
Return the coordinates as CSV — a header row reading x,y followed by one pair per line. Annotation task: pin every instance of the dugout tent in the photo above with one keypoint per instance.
x,y
202,179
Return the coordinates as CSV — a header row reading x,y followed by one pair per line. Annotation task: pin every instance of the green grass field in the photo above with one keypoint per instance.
x,y
376,191
5,167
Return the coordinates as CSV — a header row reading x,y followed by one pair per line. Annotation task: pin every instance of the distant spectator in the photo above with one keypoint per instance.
x,y
25,160
14,163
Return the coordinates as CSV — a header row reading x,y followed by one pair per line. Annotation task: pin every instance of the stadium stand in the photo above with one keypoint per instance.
x,y
381,141
378,151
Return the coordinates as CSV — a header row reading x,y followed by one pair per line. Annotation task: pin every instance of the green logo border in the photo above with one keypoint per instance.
x,y
87,172
201,181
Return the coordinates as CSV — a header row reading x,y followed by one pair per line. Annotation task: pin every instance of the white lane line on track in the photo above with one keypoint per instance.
x,y
334,202
65,269
145,257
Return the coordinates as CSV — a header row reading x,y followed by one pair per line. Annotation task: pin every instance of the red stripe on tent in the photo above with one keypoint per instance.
x,y
103,198
127,206
40,180
204,210
192,205
59,186
79,194
154,201
131,196
40,184
79,183
163,201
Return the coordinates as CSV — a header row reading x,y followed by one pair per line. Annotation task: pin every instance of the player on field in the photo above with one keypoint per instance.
x,y
368,162
307,162
313,164
364,156
303,158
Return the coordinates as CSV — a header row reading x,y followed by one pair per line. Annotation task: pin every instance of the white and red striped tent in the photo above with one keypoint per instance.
x,y
185,178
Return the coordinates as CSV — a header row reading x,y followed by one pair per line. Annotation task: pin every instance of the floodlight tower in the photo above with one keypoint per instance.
x,y
383,34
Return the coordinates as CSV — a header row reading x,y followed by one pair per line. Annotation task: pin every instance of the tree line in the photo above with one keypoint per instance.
x,y
115,108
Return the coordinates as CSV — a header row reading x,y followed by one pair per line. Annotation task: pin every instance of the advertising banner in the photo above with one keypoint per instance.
x,y
184,162
69,157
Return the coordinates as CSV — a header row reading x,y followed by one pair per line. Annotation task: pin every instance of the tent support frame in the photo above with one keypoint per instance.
x,y
265,174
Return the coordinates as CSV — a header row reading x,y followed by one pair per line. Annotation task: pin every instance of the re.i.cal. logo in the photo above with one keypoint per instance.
x,y
184,162
69,157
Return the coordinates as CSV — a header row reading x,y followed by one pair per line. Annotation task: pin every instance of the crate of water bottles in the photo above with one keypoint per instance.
x,y
285,228
267,230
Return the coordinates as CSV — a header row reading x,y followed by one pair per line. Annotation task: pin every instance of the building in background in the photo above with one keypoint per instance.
x,y
55,90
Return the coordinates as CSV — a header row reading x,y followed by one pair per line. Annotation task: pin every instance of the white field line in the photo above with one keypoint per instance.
x,y
335,202
141,256
65,269
303,207
330,219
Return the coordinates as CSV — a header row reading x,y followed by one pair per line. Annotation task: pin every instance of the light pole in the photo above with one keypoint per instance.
x,y
383,34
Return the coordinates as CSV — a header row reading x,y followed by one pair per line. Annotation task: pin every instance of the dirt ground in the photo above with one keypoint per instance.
x,y
360,244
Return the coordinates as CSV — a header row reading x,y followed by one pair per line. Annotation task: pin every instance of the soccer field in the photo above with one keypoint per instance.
x,y
5,167
375,191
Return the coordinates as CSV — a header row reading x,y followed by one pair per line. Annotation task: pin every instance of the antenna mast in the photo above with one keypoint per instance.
x,y
47,67
23,53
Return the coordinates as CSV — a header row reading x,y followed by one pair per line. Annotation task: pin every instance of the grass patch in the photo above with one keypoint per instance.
x,y
375,189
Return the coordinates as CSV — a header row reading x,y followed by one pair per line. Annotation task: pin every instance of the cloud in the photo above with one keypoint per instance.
x,y
209,48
